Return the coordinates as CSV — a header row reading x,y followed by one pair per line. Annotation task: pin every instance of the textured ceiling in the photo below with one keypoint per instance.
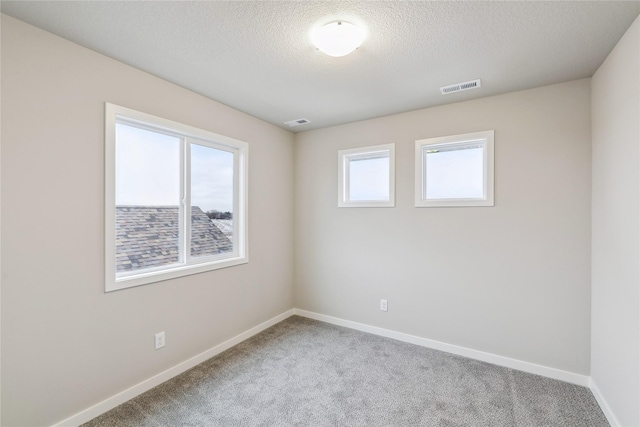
x,y
257,56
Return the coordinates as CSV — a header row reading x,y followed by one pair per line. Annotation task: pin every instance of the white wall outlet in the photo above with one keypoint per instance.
x,y
383,304
160,340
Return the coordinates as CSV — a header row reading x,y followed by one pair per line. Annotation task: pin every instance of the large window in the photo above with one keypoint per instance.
x,y
366,176
455,170
175,199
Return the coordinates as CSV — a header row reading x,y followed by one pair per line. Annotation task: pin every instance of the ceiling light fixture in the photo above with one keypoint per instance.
x,y
338,38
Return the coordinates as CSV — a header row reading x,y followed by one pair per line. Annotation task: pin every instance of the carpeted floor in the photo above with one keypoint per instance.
x,y
302,372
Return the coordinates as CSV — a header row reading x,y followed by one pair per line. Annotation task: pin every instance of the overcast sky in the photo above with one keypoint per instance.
x,y
369,179
455,174
148,171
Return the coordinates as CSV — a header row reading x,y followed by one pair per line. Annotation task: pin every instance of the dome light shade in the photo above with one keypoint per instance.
x,y
338,38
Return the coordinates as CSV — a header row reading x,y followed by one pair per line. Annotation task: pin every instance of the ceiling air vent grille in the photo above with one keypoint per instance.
x,y
298,122
460,86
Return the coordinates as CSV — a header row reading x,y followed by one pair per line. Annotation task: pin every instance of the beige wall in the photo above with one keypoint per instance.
x,y
67,345
615,355
512,280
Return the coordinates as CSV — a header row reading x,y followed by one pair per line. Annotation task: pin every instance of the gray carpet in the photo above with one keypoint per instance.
x,y
302,372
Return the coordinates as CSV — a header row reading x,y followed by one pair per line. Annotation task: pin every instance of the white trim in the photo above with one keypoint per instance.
x,y
606,409
344,197
486,138
109,193
507,362
113,401
118,399
188,136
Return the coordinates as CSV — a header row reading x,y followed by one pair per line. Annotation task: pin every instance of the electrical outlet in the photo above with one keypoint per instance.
x,y
383,304
160,340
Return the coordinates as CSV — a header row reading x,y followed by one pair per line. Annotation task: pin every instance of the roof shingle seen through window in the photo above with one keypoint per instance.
x,y
147,236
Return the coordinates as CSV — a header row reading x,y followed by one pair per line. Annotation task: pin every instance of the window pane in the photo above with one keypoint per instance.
x,y
211,201
369,178
147,198
456,173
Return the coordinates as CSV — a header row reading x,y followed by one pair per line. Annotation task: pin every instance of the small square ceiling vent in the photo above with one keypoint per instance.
x,y
298,122
473,84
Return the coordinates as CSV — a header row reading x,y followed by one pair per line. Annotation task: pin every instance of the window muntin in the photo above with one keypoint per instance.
x,y
455,170
156,172
366,177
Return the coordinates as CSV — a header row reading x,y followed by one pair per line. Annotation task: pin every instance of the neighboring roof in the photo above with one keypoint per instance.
x,y
225,225
206,237
147,236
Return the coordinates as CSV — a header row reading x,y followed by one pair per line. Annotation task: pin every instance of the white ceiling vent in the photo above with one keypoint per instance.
x,y
298,122
473,84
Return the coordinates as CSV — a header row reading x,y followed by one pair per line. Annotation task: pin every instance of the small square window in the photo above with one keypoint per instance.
x,y
455,170
366,177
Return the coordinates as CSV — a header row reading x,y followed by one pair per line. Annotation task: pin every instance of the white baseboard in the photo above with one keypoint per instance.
x,y
110,403
606,409
130,393
507,362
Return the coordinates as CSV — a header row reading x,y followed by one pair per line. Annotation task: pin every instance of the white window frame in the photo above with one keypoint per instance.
x,y
485,138
189,135
344,159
